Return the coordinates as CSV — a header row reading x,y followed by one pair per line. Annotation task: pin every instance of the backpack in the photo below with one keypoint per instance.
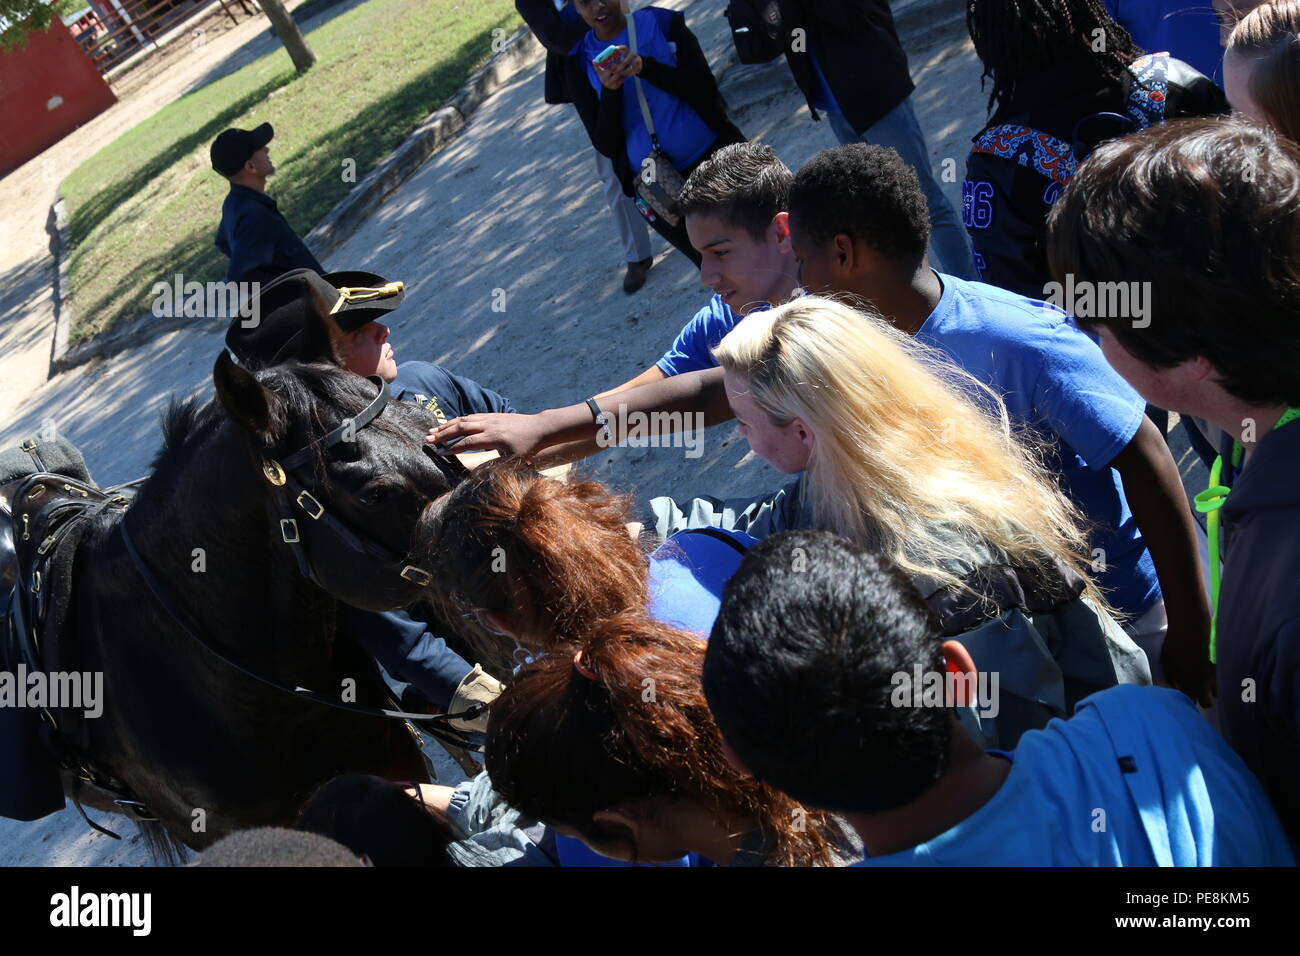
x,y
757,29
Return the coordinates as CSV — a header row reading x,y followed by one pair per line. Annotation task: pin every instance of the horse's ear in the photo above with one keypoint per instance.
x,y
322,339
244,398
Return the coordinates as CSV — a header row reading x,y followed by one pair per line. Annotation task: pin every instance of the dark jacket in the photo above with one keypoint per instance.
x,y
857,46
559,36
1023,158
1259,620
257,238
690,80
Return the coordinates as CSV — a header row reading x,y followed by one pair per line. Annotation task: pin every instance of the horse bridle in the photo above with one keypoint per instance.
x,y
281,476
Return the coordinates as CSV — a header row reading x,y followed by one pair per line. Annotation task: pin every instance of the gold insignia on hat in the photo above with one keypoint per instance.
x,y
367,293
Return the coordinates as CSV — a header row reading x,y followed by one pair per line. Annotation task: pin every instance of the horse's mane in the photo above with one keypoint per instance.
x,y
181,420
302,389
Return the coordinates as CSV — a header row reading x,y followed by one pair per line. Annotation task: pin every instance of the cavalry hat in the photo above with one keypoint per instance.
x,y
285,306
232,147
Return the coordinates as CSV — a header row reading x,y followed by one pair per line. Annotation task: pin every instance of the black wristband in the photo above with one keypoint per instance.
x,y
599,417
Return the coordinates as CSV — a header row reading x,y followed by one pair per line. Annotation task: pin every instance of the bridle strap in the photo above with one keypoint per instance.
x,y
187,626
352,425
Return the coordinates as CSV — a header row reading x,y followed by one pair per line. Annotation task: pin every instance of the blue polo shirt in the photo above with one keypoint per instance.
x,y
1054,378
683,135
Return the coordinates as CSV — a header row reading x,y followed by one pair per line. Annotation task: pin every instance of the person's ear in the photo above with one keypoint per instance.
x,y
845,255
779,232
807,437
957,661
1198,369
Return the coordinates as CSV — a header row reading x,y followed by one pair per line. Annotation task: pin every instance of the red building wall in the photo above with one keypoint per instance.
x,y
48,87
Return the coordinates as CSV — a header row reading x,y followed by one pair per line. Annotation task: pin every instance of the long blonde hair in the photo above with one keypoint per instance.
x,y
903,457
1269,37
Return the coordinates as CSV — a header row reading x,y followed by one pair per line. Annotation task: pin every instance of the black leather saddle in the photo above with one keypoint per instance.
x,y
42,517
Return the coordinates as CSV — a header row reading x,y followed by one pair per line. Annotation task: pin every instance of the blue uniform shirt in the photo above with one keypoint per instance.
x,y
257,238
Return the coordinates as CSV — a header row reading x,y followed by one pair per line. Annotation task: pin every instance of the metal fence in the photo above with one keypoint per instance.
x,y
113,31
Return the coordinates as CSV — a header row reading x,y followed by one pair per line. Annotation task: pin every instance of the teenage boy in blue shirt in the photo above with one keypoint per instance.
x,y
734,206
811,678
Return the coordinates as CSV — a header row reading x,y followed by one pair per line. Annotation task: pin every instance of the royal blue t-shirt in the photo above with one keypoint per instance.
x,y
1054,378
687,575
693,348
682,134
1189,29
1137,777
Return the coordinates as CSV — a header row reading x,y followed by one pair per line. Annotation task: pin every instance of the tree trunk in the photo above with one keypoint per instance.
x,y
287,30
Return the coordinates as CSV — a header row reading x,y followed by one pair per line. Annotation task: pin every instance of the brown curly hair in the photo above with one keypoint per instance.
x,y
563,745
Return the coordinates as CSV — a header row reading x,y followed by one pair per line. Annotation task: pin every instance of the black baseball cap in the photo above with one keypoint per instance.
x,y
285,306
232,147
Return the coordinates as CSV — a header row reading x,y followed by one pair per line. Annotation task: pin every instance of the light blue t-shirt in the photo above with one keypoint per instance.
x,y
1137,777
682,134
1054,378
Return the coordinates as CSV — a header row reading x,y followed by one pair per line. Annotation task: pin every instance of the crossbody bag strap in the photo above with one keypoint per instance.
x,y
636,82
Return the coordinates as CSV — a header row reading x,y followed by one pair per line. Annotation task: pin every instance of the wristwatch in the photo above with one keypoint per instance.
x,y
601,419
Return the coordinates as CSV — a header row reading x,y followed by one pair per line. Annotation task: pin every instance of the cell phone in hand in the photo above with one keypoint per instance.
x,y
609,56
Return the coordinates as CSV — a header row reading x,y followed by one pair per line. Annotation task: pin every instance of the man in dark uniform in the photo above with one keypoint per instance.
x,y
414,659
253,233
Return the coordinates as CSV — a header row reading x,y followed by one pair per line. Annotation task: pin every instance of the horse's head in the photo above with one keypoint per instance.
x,y
345,473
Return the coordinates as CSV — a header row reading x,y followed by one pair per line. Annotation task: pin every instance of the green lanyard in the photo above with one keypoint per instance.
x,y
1208,503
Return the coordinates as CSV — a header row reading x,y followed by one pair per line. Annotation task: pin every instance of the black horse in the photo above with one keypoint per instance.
x,y
204,745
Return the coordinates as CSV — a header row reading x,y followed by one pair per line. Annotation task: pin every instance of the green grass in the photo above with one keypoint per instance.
x,y
147,206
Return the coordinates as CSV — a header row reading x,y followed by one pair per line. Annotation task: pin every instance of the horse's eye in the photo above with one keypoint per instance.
x,y
374,495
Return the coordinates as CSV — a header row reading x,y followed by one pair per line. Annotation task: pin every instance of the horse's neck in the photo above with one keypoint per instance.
x,y
211,544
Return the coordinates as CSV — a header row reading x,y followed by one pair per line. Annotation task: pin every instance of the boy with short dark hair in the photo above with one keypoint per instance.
x,y
1222,343
734,209
821,673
